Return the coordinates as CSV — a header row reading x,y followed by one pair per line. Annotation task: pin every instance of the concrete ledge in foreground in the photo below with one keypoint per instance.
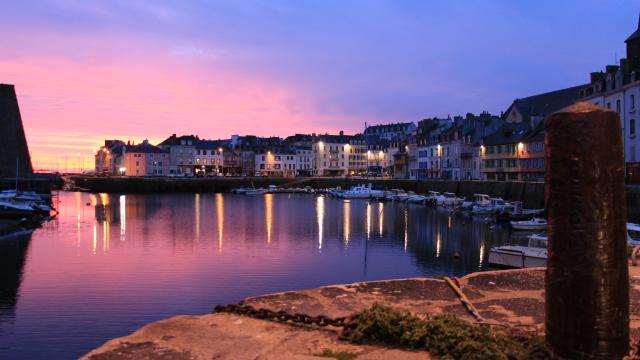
x,y
513,297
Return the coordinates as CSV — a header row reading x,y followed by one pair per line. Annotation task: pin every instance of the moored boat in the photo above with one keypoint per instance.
x,y
633,234
259,191
362,192
416,198
449,199
10,210
516,256
432,198
534,224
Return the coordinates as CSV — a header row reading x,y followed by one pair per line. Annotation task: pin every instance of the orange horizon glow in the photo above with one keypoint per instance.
x,y
136,99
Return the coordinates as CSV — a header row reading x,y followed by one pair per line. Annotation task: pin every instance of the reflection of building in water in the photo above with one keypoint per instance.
x,y
433,236
268,205
320,216
123,217
380,218
13,253
406,229
346,216
197,208
368,220
220,216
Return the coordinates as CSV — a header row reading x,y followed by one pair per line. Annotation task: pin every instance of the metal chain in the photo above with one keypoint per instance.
x,y
283,316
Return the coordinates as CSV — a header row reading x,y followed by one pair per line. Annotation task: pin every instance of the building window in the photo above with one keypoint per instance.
x,y
632,100
632,127
618,106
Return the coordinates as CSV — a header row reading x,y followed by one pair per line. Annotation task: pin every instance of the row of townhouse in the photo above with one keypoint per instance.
x,y
509,147
144,159
618,89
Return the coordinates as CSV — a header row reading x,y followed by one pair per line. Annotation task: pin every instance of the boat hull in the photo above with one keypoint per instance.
x,y
513,257
528,227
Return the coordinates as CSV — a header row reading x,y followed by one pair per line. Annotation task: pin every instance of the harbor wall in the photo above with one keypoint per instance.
x,y
38,183
530,193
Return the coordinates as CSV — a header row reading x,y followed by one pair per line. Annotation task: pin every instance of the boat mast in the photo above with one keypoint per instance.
x,y
17,171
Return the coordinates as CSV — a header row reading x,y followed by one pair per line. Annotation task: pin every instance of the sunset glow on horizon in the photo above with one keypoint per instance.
x,y
86,71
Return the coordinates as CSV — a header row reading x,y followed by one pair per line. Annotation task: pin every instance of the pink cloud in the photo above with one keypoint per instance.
x,y
147,93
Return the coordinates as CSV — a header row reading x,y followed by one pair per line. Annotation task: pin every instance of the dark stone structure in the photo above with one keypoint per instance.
x,y
587,276
13,144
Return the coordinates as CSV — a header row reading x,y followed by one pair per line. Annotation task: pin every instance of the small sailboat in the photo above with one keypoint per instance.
x,y
10,210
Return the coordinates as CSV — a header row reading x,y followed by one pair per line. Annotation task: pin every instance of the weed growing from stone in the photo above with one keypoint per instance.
x,y
338,355
443,335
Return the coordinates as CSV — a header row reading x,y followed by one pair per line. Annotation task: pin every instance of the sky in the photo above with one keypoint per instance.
x,y
88,70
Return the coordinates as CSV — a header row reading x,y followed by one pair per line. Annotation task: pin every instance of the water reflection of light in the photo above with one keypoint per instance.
x,y
406,228
95,239
320,215
449,222
368,220
438,243
220,211
380,217
123,217
93,199
105,236
104,199
78,209
268,203
197,217
346,207
481,255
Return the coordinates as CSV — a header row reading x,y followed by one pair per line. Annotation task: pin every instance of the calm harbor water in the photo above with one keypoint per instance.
x,y
110,263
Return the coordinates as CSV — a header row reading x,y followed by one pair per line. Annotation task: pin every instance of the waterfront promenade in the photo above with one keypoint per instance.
x,y
514,298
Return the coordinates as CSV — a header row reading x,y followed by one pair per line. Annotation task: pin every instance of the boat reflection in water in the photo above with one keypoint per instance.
x,y
13,254
111,263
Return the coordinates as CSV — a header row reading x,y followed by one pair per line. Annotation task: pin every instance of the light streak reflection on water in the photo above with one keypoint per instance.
x,y
164,265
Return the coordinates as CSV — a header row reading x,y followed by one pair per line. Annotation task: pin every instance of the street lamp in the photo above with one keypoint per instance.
x,y
221,160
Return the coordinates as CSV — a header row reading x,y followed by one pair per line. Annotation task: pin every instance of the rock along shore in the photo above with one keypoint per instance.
x,y
511,297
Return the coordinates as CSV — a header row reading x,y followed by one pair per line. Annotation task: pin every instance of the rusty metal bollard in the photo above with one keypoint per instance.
x,y
587,277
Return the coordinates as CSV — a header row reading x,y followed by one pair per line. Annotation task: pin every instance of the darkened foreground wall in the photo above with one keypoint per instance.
x,y
13,144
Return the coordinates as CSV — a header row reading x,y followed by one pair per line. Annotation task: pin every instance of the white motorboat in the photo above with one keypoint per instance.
x,y
633,234
514,212
479,200
416,198
259,191
432,197
239,191
515,256
396,195
272,189
489,206
337,191
534,224
449,199
362,192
